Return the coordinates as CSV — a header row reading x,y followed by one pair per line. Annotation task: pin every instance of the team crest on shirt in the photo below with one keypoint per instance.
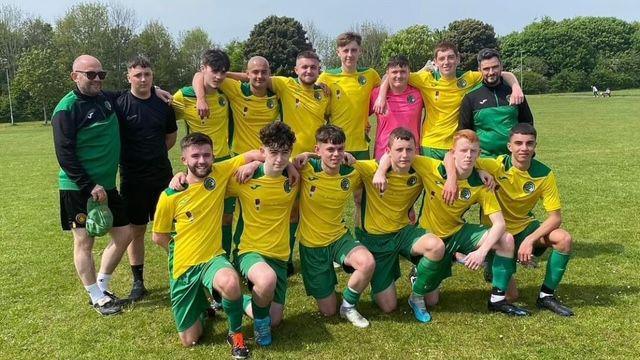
x,y
81,219
411,99
345,184
529,187
317,95
412,180
209,183
107,105
287,186
462,83
362,80
222,101
271,103
465,194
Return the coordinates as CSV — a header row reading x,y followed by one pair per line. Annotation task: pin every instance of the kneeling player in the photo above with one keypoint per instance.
x,y
447,223
266,201
523,182
386,228
324,238
196,258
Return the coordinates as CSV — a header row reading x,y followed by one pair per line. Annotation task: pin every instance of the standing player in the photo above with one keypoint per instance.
x,y
404,105
446,222
351,88
253,104
197,261
442,93
147,131
215,64
523,182
87,145
386,228
486,110
266,201
326,187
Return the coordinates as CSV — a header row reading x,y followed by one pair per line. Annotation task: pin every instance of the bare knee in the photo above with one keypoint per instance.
x,y
505,244
387,305
362,260
433,247
228,284
191,336
564,242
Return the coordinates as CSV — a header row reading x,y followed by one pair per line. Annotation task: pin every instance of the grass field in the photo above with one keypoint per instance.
x,y
593,146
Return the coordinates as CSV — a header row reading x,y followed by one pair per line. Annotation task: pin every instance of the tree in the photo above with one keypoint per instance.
x,y
43,78
11,38
324,46
415,42
534,83
155,42
569,81
373,37
235,50
193,44
279,39
470,36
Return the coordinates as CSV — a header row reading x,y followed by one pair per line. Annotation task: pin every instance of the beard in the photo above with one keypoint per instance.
x,y
200,172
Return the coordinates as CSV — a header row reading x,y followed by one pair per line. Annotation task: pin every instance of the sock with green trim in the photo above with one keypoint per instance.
x,y
502,268
233,309
350,297
556,266
427,276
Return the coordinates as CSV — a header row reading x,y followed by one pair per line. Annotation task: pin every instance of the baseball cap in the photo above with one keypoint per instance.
x,y
99,218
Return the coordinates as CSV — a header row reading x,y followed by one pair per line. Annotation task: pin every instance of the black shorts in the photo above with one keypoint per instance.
x,y
141,200
73,209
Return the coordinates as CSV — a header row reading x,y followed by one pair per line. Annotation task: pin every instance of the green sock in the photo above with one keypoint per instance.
x,y
259,312
350,296
233,309
226,239
292,239
556,265
246,301
502,268
427,276
490,256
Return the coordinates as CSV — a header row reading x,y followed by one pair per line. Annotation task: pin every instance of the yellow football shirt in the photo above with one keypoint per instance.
x,y
216,126
266,204
388,212
303,110
323,200
350,96
196,216
442,99
519,191
439,218
250,114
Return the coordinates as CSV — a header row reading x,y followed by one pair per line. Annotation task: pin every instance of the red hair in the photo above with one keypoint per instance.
x,y
465,134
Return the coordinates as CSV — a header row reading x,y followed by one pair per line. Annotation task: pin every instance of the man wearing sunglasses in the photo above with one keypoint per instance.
x,y
87,144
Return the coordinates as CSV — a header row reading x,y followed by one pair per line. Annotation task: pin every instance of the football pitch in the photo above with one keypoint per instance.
x,y
592,145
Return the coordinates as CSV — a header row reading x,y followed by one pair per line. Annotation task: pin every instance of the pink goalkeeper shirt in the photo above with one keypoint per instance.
x,y
403,110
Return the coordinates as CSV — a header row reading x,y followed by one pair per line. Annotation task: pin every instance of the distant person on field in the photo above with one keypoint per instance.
x,y
594,89
607,93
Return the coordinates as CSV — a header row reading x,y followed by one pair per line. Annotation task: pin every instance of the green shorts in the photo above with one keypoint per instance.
x,y
246,262
519,238
464,241
361,155
318,274
433,153
386,250
189,301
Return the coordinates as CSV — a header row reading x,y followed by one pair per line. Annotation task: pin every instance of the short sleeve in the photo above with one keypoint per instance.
x,y
163,218
550,193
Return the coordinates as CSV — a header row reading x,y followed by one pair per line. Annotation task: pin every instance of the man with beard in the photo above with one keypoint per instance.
x,y
486,109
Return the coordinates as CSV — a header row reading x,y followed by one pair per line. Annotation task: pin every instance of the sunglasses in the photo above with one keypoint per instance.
x,y
92,74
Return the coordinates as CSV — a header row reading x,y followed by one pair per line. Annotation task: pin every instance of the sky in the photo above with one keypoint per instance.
x,y
228,20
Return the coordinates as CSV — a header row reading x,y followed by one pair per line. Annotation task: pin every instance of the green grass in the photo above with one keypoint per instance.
x,y
590,143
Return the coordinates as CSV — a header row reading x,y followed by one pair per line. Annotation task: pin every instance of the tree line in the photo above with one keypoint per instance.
x,y
551,56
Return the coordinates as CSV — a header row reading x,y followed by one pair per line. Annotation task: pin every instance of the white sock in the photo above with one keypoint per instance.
x,y
103,281
495,298
94,292
543,294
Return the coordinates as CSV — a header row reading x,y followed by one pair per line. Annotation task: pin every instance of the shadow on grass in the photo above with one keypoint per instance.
x,y
589,250
573,295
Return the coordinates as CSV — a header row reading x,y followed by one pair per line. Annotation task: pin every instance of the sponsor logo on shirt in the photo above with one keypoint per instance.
x,y
483,101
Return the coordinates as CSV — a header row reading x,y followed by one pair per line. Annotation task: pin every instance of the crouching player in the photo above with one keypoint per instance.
x,y
447,223
523,181
263,250
197,262
326,187
386,228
